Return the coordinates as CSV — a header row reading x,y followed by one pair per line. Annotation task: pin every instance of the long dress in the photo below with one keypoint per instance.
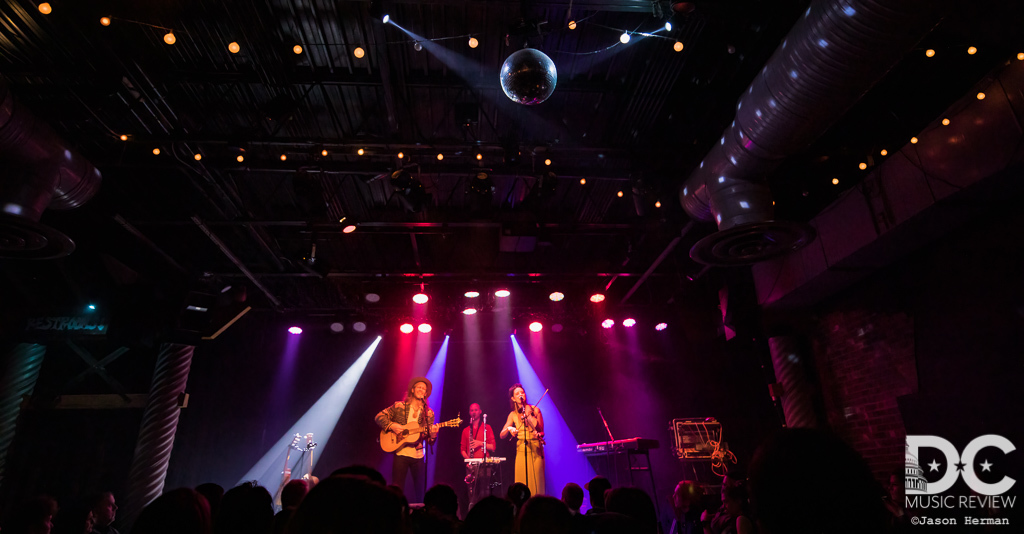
x,y
529,459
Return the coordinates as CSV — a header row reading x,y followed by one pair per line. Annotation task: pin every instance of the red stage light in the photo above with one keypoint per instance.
x,y
607,323
406,328
424,328
420,298
628,323
596,297
472,294
535,326
469,311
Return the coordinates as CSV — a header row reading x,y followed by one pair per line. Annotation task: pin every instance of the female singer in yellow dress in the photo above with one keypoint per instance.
x,y
526,423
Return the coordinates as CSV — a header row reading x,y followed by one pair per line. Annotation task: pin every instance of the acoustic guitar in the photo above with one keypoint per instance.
x,y
410,435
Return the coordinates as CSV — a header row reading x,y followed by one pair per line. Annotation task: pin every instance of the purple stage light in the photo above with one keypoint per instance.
x,y
661,326
294,330
424,328
420,298
596,297
628,323
607,323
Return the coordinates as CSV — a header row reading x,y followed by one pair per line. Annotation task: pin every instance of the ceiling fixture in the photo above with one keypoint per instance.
x,y
528,77
359,326
479,156
596,297
668,26
372,297
169,38
337,327
348,229
473,43
420,298
359,52
386,19
105,21
1020,56
297,49
233,47
417,46
619,194
502,293
45,8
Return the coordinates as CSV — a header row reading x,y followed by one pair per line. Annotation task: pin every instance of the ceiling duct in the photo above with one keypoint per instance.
x,y
41,172
833,55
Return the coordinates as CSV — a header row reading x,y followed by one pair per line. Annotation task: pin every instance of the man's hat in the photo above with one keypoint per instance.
x,y
430,387
599,483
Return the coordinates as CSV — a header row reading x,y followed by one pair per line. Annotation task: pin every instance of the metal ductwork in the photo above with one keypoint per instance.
x,y
41,172
833,55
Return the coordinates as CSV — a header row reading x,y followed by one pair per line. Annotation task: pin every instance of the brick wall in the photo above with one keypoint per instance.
x,y
865,360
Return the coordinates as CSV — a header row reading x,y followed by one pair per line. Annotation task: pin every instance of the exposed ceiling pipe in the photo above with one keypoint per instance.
x,y
833,55
42,172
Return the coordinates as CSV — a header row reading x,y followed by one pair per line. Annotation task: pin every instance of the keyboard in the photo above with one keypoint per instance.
x,y
602,447
491,460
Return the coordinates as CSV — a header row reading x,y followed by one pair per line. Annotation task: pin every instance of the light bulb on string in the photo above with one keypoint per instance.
x,y
45,8
297,49
473,43
104,21
233,47
572,24
678,47
169,38
240,158
359,52
929,53
401,155
323,152
124,137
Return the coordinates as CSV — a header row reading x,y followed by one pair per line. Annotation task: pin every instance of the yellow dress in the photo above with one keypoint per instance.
x,y
529,459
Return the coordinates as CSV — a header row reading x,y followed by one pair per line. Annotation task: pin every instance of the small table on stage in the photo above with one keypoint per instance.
x,y
482,477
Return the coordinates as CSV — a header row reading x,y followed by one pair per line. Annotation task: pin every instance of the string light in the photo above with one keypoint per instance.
x,y
678,47
1020,56
913,140
929,53
583,181
360,152
884,152
156,151
105,21
359,52
862,166
835,181
401,155
240,158
657,204
981,96
547,162
572,24
297,49
972,50
124,137
323,152
45,8
945,122
284,157
619,194
233,47
479,156
440,157
473,43
624,38
169,38
198,156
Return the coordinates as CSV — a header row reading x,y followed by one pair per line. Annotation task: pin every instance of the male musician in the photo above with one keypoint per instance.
x,y
473,439
414,408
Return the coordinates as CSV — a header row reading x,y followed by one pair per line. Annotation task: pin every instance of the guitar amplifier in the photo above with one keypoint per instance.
x,y
696,438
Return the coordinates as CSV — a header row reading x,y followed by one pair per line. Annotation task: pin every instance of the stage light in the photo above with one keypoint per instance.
x,y
156,151
45,8
359,52
337,328
678,47
420,298
348,229
240,158
628,323
596,297
124,137
105,21
198,156
502,293
406,328
607,323
424,328
472,294
386,19
624,38
556,328
297,49
536,327
372,297
661,326
473,43
469,311
294,330
233,47
169,38
359,326
556,296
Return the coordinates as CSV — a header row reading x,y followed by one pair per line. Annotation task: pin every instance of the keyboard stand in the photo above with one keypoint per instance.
x,y
630,454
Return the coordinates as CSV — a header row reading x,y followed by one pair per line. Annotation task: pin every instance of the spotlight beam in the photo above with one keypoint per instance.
x,y
436,376
320,419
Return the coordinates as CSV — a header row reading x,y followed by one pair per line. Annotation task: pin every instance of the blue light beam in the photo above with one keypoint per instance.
x,y
436,376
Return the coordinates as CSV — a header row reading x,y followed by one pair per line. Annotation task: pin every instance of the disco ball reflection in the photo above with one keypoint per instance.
x,y
528,77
